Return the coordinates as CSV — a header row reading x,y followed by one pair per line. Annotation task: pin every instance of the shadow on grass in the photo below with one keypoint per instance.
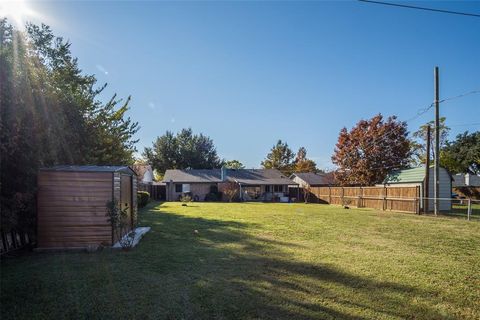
x,y
198,268
234,274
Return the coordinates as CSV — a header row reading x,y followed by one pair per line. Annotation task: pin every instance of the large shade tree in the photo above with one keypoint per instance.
x,y
463,154
365,154
280,157
50,114
181,151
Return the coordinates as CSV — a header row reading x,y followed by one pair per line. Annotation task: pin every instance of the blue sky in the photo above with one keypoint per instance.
x,y
250,73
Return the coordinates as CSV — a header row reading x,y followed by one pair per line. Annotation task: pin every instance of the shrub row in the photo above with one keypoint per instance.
x,y
142,198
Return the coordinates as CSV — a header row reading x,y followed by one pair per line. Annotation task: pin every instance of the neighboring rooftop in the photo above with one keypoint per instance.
x,y
125,169
141,169
466,180
311,178
243,176
192,175
258,176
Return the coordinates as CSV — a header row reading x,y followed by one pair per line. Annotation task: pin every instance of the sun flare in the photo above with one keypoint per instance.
x,y
17,12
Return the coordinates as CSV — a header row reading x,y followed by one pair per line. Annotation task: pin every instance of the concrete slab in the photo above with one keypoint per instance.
x,y
139,233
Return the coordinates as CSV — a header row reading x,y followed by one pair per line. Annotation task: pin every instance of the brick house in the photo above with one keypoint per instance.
x,y
253,184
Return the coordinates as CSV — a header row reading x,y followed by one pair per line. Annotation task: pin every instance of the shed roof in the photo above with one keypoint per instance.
x,y
412,175
243,176
311,178
124,169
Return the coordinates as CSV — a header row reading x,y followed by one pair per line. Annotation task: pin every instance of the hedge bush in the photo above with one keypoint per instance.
x,y
142,198
213,196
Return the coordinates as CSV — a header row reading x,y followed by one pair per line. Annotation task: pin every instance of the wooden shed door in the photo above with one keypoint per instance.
x,y
126,196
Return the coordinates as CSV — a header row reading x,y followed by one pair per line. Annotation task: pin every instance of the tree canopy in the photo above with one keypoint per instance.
x,y
463,154
280,157
302,163
181,151
419,147
365,154
50,114
233,164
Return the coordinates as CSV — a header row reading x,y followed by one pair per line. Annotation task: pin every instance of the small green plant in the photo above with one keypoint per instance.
x,y
118,217
186,198
346,203
143,197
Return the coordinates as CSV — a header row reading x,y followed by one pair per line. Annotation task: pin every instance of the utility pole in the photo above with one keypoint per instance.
x,y
437,143
426,183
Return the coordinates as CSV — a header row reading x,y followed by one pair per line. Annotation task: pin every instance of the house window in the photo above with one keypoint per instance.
x,y
267,188
178,187
186,188
277,188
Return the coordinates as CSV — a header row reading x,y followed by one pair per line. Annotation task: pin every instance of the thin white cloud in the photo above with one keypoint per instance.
x,y
172,120
151,105
102,69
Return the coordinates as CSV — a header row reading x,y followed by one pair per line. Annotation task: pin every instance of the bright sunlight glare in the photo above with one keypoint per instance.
x,y
17,12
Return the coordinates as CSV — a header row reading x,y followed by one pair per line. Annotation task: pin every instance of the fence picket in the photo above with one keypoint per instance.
x,y
385,198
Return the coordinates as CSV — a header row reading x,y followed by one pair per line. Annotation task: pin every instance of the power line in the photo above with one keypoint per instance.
x,y
460,95
420,112
465,124
426,109
422,8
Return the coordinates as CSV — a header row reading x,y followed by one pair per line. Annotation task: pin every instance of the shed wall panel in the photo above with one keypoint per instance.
x,y
72,209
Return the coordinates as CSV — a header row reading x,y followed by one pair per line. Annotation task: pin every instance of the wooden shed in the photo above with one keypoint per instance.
x,y
72,205
416,177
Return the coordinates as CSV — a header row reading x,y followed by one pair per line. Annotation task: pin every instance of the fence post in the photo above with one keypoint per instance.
x,y
359,199
329,195
469,210
417,201
342,198
384,205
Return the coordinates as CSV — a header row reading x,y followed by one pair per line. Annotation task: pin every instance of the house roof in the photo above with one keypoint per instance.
x,y
192,175
141,169
124,169
412,175
258,176
311,178
242,176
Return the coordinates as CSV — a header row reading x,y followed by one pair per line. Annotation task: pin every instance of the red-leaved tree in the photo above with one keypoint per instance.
x,y
365,154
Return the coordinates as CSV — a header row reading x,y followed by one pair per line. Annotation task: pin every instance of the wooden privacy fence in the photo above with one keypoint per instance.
x,y
405,199
157,191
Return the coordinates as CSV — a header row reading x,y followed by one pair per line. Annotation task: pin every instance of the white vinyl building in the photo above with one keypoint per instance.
x,y
466,180
416,177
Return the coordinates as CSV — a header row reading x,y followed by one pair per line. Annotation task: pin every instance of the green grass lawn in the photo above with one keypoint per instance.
x,y
260,261
461,211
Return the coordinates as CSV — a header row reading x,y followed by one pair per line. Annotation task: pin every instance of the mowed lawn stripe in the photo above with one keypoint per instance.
x,y
260,261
